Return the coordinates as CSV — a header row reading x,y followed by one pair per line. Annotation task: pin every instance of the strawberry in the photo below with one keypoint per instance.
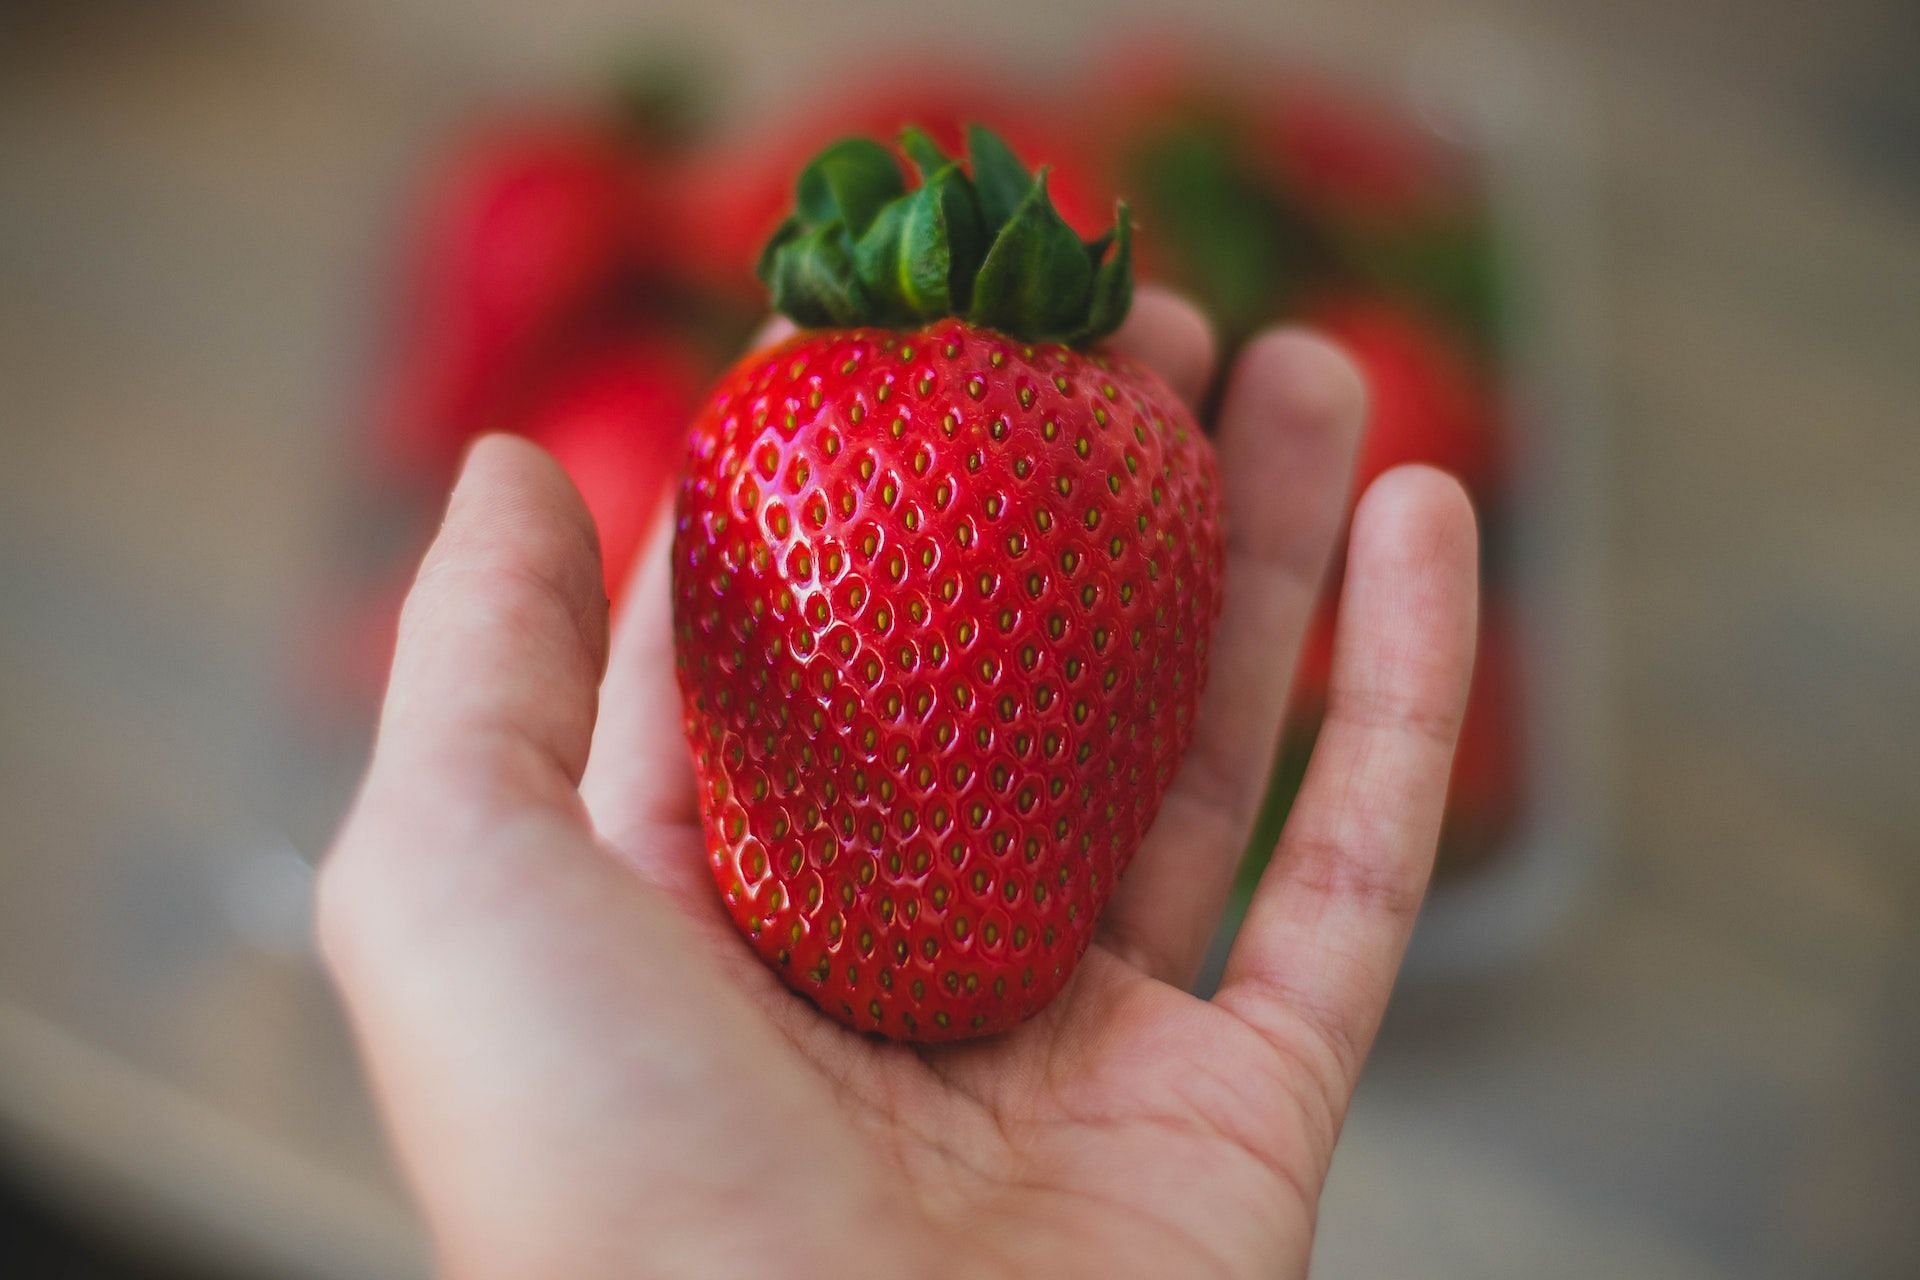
x,y
945,578
616,421
519,241
1266,184
1486,795
515,231
1427,401
1348,155
1313,673
1355,158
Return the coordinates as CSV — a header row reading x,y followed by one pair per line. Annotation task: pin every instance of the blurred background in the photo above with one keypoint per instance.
x,y
1646,274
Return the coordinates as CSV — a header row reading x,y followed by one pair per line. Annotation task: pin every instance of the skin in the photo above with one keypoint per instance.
x,y
586,1073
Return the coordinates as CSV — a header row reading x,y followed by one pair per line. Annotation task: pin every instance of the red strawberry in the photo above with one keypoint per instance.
x,y
1265,183
1357,159
1314,672
1488,788
1426,399
1347,155
944,588
517,239
343,648
617,422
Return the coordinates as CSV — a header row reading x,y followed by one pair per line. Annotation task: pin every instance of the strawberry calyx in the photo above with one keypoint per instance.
x,y
981,241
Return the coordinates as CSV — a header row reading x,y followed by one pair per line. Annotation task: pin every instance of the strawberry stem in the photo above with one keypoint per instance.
x,y
981,241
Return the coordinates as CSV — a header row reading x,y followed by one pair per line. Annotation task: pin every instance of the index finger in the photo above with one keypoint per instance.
x,y
503,634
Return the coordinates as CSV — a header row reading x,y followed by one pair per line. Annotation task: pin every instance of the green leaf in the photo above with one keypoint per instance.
x,y
925,153
1036,279
848,183
876,264
921,250
1112,279
782,236
981,241
999,178
944,243
813,281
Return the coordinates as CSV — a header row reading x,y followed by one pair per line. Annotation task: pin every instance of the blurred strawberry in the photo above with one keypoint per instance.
x,y
615,418
519,237
1356,158
1263,184
1178,131
342,646
1315,668
1427,400
1488,788
1345,153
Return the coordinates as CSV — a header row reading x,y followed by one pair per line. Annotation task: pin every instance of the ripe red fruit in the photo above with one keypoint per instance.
x,y
515,240
617,422
1426,399
1348,156
1355,159
1313,674
944,589
1487,792
342,648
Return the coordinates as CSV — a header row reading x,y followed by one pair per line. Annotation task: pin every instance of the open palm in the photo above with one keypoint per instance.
x,y
588,1073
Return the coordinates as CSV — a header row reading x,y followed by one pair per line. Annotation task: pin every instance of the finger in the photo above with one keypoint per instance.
x,y
538,1025
1167,334
490,708
639,771
640,780
775,330
1329,921
502,639
1288,429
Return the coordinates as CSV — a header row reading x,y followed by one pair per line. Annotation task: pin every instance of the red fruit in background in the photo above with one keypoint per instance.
x,y
1265,184
1489,778
1427,400
516,239
342,647
1348,155
616,420
943,598
1353,158
1314,671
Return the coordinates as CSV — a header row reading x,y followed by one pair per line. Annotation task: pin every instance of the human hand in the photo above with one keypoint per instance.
x,y
586,1071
